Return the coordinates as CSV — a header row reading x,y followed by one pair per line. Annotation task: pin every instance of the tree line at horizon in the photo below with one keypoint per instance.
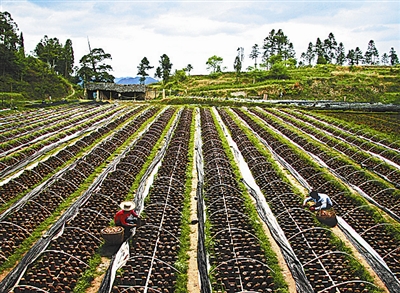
x,y
277,53
277,45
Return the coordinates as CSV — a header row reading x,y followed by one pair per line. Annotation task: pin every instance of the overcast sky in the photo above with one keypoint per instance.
x,y
190,32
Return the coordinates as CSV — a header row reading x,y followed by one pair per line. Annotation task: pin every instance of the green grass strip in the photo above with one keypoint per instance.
x,y
182,262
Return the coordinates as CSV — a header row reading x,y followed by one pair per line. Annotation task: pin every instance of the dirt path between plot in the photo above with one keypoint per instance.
x,y
101,271
193,273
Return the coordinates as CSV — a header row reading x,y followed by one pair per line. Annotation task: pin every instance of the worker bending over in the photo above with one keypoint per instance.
x,y
321,201
126,217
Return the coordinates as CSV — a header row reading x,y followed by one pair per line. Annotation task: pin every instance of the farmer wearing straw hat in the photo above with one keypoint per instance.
x,y
126,217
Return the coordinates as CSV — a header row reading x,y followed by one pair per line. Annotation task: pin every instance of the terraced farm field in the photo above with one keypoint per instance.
x,y
219,191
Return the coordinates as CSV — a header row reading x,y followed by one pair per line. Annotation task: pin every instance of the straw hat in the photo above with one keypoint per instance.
x,y
127,205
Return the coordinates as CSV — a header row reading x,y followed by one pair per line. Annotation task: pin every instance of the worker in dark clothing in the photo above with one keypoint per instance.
x,y
126,217
321,200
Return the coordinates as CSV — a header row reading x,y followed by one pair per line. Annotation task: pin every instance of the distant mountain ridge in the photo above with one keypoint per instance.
x,y
134,80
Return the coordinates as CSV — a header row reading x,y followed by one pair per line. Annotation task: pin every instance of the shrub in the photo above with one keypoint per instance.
x,y
279,71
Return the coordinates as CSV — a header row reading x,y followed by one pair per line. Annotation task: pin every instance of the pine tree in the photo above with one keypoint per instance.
x,y
9,44
310,54
144,65
164,70
385,59
255,52
67,60
21,45
237,64
94,68
371,56
269,45
350,57
340,55
330,48
319,51
394,60
277,43
358,56
189,68
49,50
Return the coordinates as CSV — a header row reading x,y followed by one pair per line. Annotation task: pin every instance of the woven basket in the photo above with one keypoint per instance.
x,y
113,235
328,217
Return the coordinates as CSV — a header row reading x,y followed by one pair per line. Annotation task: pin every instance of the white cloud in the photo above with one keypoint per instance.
x,y
193,31
354,26
179,25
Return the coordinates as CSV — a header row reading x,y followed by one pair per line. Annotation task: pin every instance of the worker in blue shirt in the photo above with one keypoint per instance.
x,y
321,200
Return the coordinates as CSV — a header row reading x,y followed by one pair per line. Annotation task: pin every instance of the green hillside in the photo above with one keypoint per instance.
x,y
36,83
323,82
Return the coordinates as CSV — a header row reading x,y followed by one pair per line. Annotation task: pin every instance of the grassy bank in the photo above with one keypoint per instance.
x,y
322,82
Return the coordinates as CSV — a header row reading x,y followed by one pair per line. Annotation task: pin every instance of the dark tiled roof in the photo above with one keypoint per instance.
x,y
119,88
